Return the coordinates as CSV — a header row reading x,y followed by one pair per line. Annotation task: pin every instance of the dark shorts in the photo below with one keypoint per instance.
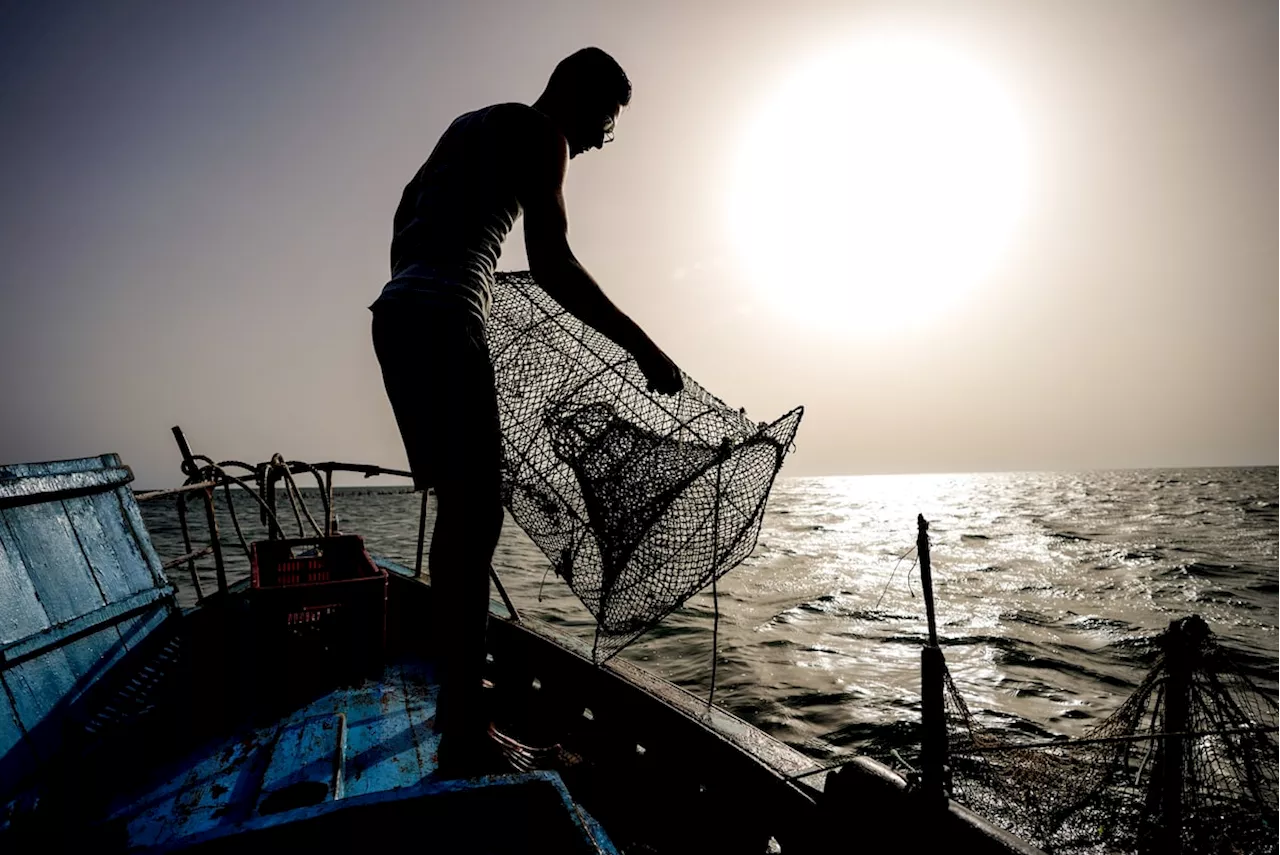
x,y
439,379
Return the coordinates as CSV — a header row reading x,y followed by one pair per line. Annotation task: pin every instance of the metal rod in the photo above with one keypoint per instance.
x,y
365,469
328,508
189,558
219,568
189,467
173,491
186,542
269,495
191,470
502,592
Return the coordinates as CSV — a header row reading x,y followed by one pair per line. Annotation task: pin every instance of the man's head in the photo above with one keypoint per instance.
x,y
584,96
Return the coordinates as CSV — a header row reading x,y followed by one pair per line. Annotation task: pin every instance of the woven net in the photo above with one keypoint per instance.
x,y
638,500
1187,764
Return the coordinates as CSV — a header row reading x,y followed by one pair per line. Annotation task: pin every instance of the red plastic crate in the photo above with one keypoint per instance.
x,y
318,602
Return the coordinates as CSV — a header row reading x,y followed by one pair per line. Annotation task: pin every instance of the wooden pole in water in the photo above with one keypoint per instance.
x,y
926,576
1182,643
933,724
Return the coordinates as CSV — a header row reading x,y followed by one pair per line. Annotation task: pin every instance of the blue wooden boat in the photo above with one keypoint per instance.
x,y
128,723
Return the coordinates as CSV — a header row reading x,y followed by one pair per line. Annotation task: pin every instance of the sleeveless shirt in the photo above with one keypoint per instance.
x,y
452,219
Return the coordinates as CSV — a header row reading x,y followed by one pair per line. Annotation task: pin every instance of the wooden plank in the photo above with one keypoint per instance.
x,y
55,563
121,533
62,578
102,620
224,785
34,489
382,748
305,764
140,538
101,551
420,705
21,612
58,467
220,787
38,687
16,759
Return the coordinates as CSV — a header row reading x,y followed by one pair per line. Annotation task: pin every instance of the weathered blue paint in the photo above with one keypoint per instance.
x,y
55,636
79,586
10,471
374,737
36,488
19,759
53,558
136,539
209,792
21,612
109,569
591,836
36,688
307,761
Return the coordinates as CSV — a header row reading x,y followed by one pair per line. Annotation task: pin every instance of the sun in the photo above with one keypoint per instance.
x,y
877,184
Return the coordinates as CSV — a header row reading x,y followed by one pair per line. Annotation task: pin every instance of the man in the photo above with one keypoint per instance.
x,y
490,166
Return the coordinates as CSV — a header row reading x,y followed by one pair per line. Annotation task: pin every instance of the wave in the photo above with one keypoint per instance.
x,y
1026,656
1205,570
1093,622
1029,618
1069,536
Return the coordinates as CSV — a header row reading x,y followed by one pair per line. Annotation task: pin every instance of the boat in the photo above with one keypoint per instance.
x,y
251,721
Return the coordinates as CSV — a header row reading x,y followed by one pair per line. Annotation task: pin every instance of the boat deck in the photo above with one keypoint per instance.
x,y
367,744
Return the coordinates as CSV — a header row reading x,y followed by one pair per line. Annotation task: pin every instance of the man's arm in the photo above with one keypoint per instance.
x,y
557,270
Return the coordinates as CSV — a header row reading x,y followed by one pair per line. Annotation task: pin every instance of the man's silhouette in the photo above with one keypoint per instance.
x,y
490,166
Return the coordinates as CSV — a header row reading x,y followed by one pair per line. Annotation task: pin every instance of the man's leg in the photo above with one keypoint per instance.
x,y
468,522
440,382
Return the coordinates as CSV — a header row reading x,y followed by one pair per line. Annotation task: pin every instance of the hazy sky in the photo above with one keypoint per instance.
x,y
197,201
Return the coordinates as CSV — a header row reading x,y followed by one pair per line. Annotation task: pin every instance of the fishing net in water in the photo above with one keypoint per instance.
x,y
1187,764
638,500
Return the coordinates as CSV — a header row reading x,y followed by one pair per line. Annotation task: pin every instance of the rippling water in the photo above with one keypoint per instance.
x,y
1049,586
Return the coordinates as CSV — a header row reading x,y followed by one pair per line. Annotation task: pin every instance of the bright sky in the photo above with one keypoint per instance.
x,y
965,235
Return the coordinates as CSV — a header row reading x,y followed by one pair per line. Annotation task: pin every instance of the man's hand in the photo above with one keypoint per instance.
x,y
663,375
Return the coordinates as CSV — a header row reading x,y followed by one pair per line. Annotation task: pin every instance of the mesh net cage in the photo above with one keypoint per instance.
x,y
638,500
1188,764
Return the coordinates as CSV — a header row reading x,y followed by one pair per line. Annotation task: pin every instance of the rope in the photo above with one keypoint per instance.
x,y
715,641
218,470
295,496
320,489
715,593
901,558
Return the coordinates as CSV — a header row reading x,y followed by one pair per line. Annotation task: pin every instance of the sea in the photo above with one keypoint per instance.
x,y
1050,590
